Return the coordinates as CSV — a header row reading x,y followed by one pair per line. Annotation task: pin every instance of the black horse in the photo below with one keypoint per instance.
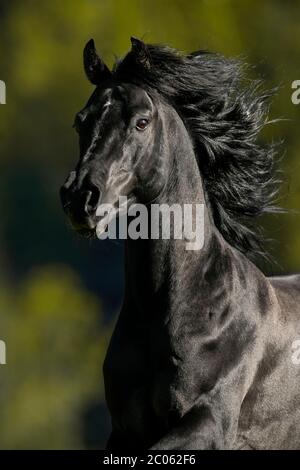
x,y
201,356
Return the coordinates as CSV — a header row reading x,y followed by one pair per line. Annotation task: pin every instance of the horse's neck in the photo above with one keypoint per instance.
x,y
157,270
163,276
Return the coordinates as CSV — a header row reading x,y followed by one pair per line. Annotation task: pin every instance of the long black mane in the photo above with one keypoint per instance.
x,y
224,115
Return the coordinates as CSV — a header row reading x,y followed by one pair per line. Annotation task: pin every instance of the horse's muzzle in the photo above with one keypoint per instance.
x,y
80,203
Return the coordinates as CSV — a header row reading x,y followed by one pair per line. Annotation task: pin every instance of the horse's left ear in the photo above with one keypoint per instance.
x,y
140,51
95,69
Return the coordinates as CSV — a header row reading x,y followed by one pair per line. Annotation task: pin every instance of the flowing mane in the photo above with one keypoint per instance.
x,y
224,117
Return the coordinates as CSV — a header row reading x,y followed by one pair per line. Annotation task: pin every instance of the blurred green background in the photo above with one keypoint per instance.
x,y
59,295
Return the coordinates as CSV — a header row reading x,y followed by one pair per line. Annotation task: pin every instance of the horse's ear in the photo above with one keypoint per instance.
x,y
95,69
140,51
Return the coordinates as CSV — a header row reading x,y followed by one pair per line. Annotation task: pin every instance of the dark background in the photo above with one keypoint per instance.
x,y
59,295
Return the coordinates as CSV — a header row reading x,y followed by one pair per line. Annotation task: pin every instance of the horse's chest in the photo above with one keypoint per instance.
x,y
146,388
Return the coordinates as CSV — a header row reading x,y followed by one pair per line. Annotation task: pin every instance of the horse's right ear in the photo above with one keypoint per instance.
x,y
140,51
95,69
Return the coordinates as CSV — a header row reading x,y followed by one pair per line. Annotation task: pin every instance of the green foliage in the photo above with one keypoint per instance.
x,y
55,346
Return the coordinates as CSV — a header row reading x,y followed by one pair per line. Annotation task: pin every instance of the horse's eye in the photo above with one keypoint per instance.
x,y
141,124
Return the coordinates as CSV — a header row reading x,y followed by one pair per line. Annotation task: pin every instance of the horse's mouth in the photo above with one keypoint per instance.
x,y
86,232
96,226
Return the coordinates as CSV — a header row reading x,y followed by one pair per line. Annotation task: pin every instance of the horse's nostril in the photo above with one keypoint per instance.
x,y
92,199
65,189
